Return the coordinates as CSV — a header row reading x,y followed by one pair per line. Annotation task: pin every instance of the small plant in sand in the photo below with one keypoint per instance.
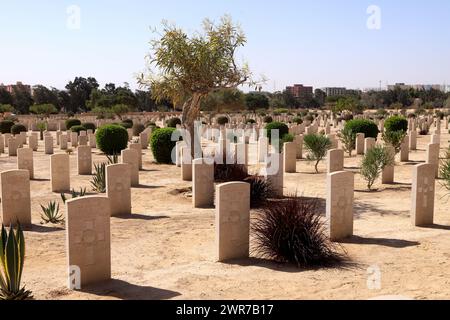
x,y
348,139
317,146
260,188
374,162
292,231
51,214
42,126
445,171
74,194
12,257
69,151
98,181
395,139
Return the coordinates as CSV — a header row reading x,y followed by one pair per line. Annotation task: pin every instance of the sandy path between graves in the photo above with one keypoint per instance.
x,y
166,251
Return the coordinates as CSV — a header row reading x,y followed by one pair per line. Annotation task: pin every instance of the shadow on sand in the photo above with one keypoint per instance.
x,y
392,243
126,291
137,216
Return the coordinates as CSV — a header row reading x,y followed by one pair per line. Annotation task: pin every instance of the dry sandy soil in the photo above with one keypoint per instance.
x,y
166,250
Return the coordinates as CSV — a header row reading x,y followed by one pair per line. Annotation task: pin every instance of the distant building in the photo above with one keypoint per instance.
x,y
10,88
335,91
300,91
425,87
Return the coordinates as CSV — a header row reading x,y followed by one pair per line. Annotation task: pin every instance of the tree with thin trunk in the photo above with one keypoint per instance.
x,y
186,68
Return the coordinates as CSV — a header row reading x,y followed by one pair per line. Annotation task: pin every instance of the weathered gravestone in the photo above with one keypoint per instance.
x,y
232,220
88,240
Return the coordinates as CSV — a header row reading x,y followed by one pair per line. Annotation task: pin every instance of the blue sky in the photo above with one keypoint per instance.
x,y
319,43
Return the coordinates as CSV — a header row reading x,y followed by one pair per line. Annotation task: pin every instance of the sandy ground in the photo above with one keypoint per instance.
x,y
166,250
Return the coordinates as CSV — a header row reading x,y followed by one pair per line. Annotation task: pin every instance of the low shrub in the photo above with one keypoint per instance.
x,y
126,124
72,122
250,121
396,123
162,145
112,139
268,119
77,129
18,128
293,231
374,162
282,128
89,126
172,123
222,120
138,128
317,147
297,120
368,127
5,126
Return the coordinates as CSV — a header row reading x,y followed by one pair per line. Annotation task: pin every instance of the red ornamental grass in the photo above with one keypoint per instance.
x,y
292,231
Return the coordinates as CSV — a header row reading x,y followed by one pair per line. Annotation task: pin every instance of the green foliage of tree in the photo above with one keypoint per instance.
x,y
43,109
348,140
256,100
374,162
187,68
317,146
6,108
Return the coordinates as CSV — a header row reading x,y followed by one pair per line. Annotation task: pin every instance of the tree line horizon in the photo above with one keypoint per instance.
x,y
84,95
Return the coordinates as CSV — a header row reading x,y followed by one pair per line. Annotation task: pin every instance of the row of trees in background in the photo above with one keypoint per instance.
x,y
80,95
85,95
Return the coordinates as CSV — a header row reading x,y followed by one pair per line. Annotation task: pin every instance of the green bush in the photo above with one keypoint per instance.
x,y
126,124
89,126
72,122
77,129
309,118
396,123
222,120
368,127
297,120
112,139
317,146
128,121
172,123
283,129
138,128
18,128
162,145
6,125
281,111
268,119
374,162
250,121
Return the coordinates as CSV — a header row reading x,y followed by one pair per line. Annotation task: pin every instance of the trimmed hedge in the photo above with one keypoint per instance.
x,y
112,139
222,120
297,120
268,119
138,128
18,128
172,123
126,124
369,128
72,122
89,126
78,129
6,125
396,123
162,145
283,129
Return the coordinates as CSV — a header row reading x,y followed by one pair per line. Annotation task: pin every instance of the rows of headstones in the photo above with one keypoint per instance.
x,y
88,218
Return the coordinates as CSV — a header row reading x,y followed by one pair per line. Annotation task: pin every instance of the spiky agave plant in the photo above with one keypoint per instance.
x,y
74,194
99,178
12,255
51,214
113,159
292,231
